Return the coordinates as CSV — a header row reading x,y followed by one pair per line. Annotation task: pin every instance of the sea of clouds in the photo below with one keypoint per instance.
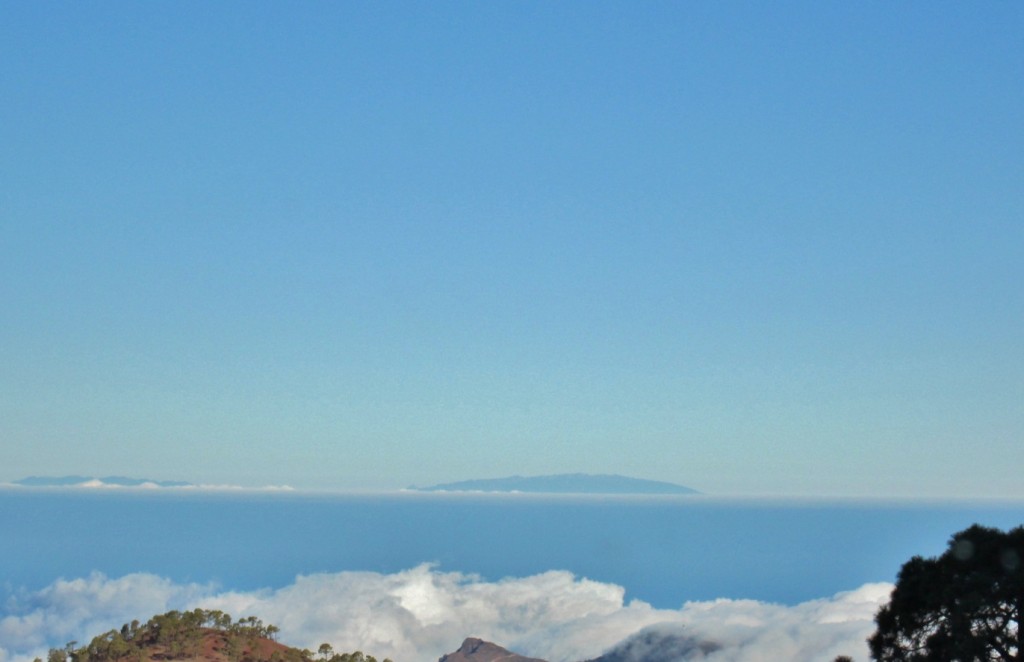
x,y
421,613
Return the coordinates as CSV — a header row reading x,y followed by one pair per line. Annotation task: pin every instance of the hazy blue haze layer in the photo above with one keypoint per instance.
x,y
662,550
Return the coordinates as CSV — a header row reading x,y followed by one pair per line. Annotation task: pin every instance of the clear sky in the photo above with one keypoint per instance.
x,y
760,248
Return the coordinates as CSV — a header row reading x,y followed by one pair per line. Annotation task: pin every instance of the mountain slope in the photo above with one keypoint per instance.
x,y
196,636
478,650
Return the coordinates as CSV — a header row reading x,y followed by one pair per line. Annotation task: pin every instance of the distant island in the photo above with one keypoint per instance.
x,y
563,484
119,482
92,481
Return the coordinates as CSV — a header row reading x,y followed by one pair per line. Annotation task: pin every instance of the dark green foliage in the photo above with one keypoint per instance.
x,y
962,606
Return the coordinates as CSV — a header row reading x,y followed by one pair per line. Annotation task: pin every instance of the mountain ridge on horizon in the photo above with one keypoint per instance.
x,y
76,482
574,483
113,481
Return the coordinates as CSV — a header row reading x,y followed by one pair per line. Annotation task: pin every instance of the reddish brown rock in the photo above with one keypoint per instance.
x,y
478,650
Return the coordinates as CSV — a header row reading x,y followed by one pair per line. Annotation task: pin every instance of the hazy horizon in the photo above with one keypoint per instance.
x,y
752,249
412,491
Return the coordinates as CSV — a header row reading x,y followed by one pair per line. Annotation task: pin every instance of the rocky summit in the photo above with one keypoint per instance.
x,y
478,650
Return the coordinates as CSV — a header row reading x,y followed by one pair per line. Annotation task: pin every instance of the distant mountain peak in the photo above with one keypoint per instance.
x,y
659,643
577,483
478,650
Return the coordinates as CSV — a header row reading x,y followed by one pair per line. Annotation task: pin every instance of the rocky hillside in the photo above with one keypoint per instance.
x,y
196,636
477,650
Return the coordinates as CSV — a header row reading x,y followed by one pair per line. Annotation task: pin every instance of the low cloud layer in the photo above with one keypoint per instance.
x,y
419,614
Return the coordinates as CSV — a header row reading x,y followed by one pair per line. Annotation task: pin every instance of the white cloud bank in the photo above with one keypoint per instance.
x,y
419,614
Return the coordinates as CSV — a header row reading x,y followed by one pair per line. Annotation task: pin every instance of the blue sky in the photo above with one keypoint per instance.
x,y
760,248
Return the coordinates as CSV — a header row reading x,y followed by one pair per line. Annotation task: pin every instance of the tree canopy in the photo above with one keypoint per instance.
x,y
962,606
